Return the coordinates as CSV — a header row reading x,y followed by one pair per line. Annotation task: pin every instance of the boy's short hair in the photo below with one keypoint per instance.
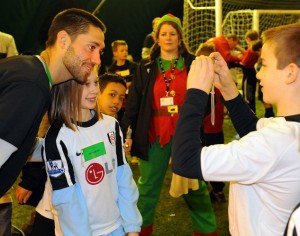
x,y
107,78
205,49
116,43
285,40
257,45
252,35
74,21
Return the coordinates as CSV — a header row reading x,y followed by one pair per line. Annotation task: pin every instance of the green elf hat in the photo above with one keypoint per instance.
x,y
170,17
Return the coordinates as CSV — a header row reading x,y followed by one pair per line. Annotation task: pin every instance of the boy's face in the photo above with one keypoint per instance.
x,y
271,78
110,100
121,53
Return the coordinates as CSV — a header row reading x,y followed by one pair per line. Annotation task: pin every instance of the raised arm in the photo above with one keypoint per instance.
x,y
222,77
186,148
243,119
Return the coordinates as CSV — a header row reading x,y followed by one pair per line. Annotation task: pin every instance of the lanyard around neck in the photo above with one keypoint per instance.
x,y
168,80
46,70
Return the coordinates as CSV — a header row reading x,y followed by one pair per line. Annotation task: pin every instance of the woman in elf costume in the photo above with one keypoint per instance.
x,y
154,102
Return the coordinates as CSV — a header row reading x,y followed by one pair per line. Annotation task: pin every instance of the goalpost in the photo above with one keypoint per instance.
x,y
202,19
239,22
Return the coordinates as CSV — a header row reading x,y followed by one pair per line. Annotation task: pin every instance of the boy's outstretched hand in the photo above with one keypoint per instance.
x,y
206,71
201,74
222,77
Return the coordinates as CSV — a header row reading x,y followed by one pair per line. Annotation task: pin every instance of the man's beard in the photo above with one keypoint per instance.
x,y
73,64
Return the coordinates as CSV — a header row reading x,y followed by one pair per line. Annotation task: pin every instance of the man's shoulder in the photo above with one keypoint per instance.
x,y
20,63
23,69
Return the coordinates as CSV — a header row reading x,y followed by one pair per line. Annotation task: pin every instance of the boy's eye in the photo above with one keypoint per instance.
x,y
112,94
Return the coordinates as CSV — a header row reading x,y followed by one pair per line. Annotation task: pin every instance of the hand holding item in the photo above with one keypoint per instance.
x,y
222,77
201,74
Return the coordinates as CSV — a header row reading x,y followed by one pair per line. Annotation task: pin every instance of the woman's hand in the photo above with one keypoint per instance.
x,y
127,145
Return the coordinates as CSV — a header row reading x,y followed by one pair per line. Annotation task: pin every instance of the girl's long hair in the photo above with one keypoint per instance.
x,y
66,103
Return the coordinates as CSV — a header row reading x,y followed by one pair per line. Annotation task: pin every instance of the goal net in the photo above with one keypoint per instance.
x,y
239,22
200,20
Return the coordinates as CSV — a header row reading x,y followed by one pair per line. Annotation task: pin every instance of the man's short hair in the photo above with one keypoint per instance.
x,y
74,21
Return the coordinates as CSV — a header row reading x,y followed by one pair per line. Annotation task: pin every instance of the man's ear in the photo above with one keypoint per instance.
x,y
63,39
293,73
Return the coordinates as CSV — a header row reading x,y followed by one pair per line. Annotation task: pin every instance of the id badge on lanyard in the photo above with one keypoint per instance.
x,y
166,101
169,103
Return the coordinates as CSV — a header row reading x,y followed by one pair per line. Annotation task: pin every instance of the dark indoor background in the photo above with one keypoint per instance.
x,y
28,20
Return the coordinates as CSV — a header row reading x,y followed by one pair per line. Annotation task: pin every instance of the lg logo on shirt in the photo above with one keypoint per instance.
x,y
95,172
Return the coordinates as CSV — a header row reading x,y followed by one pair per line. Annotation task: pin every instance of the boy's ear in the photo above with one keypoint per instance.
x,y
293,73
